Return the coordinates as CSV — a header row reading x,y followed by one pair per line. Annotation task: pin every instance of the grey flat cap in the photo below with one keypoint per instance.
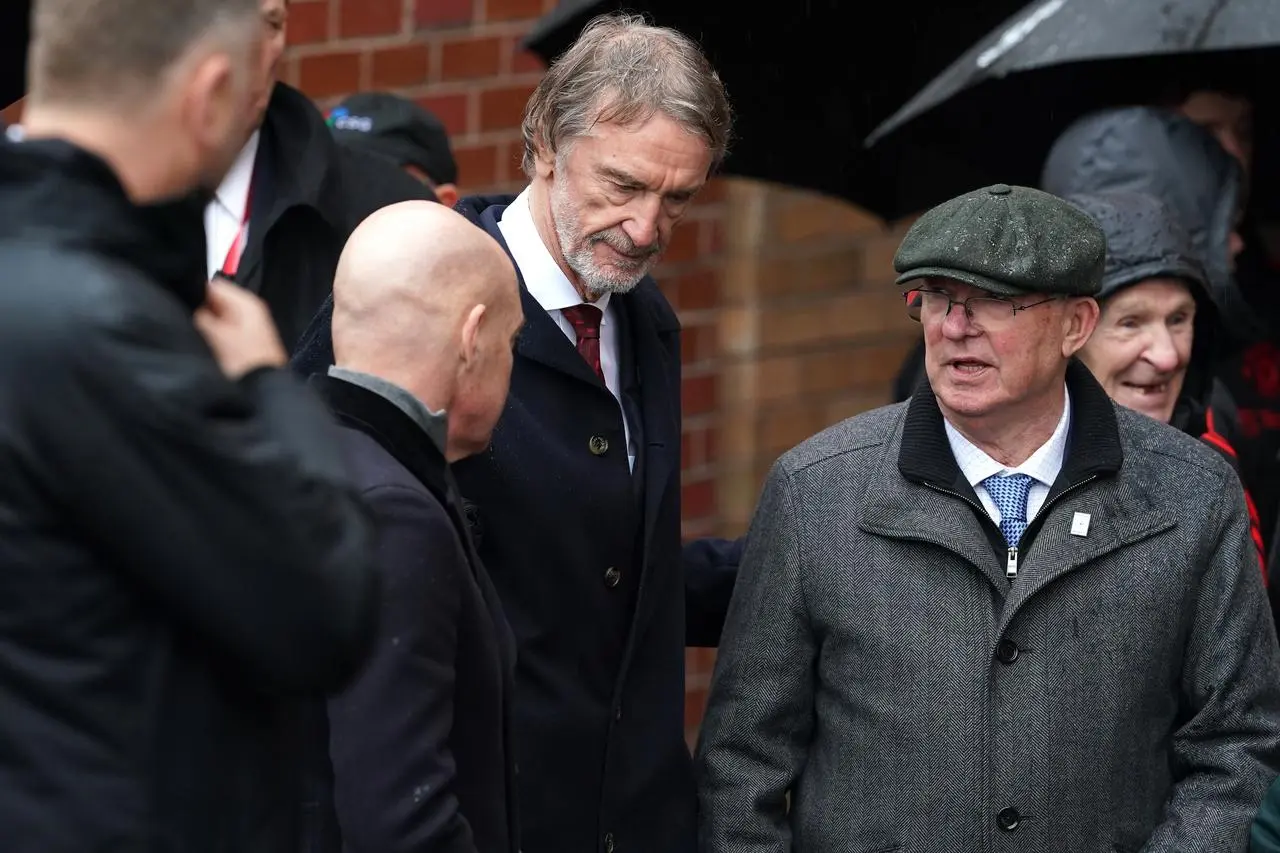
x,y
1008,241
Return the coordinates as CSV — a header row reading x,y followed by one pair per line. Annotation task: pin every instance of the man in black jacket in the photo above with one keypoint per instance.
x,y
279,219
181,546
416,754
577,501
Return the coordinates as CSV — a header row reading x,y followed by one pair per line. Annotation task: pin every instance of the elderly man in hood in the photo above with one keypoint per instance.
x,y
1153,346
1181,163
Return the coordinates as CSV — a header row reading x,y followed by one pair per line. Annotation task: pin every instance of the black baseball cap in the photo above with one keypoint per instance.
x,y
397,128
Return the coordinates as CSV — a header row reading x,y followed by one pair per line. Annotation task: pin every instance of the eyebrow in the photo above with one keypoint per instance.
x,y
631,182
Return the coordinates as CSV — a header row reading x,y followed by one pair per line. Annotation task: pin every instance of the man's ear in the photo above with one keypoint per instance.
x,y
211,99
544,160
1080,320
446,194
470,343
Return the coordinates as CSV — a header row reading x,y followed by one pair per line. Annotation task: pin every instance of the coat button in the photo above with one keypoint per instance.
x,y
617,713
598,445
1008,819
608,842
612,577
1007,651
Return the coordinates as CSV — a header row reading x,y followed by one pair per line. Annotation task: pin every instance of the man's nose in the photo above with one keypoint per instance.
x,y
642,225
1161,351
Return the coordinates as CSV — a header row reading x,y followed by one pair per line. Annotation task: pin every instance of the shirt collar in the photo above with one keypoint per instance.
x,y
1042,466
543,278
233,192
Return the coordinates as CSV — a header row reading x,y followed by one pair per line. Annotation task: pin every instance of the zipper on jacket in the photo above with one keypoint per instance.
x,y
1011,559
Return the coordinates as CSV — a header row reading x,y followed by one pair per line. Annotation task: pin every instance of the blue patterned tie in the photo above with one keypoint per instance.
x,y
1009,493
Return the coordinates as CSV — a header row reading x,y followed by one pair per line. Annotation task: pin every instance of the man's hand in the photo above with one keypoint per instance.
x,y
238,328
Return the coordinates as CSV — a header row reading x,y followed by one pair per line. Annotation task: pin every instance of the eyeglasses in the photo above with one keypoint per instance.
x,y
983,311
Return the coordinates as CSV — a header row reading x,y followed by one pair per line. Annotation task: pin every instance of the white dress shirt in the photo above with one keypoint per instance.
x,y
548,284
1042,466
224,215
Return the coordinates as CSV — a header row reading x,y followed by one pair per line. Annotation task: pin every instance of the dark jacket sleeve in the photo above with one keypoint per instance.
x,y
226,501
389,730
710,570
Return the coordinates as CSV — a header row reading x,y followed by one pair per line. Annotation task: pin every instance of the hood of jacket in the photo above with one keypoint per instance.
x,y
1161,153
1146,240
58,193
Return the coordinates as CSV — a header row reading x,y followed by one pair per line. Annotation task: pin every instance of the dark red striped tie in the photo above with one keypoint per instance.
x,y
586,324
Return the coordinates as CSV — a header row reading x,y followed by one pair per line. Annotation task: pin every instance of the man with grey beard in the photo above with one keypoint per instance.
x,y
576,505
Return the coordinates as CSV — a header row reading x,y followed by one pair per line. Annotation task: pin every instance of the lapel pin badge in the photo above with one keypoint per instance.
x,y
1080,524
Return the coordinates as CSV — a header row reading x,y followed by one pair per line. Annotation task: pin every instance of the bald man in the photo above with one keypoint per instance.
x,y
418,743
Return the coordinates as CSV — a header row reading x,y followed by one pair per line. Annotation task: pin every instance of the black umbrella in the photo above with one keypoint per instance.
x,y
1000,106
15,27
810,78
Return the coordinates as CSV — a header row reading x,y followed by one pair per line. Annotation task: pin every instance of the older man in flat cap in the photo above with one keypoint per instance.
x,y
1005,615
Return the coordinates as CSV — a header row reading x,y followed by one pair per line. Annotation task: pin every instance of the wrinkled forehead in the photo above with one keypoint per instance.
x,y
657,153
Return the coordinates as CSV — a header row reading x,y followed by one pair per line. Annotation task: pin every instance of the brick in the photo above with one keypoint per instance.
x,y
831,320
778,378
12,114
715,192
875,365
691,441
698,395
697,290
399,67
832,370
509,170
308,22
699,666
684,243
695,706
450,109
877,259
469,58
524,61
710,237
830,270
798,216
502,109
698,499
329,74
783,429
433,14
370,18
698,343
477,165
512,10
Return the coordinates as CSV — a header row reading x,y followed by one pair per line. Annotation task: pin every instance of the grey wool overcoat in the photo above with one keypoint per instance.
x,y
1122,694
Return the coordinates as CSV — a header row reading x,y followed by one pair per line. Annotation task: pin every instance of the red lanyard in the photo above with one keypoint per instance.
x,y
232,261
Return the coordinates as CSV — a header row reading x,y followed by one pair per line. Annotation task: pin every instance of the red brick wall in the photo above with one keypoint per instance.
x,y
462,59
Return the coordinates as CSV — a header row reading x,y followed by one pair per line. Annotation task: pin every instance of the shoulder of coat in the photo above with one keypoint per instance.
x,y
1165,451
863,433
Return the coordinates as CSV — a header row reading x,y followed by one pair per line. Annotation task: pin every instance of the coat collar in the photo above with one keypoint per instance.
x,y
1093,445
919,487
53,190
384,421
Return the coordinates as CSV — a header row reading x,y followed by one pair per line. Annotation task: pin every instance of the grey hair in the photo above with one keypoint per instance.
x,y
94,51
625,70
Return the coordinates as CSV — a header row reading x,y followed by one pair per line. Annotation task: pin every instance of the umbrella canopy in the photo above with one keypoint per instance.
x,y
1000,106
809,80
15,28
